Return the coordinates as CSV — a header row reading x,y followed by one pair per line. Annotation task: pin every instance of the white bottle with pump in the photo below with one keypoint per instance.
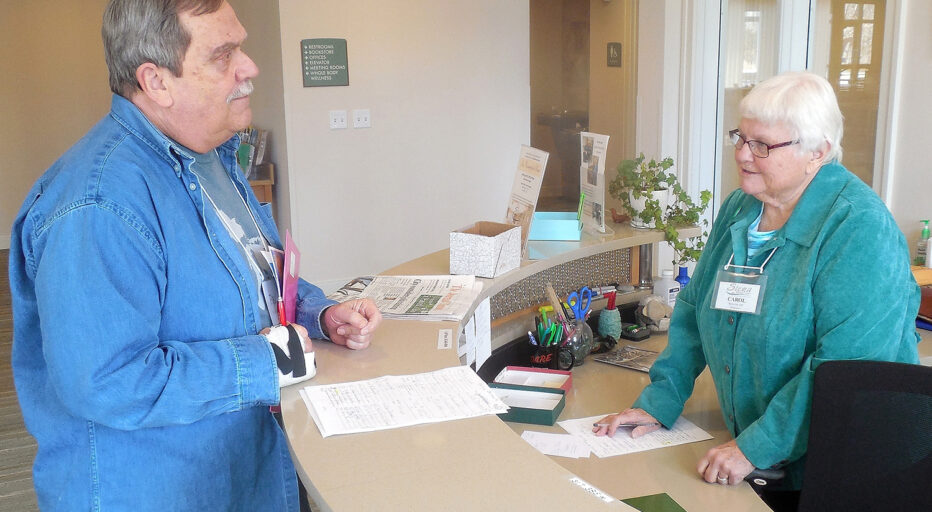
x,y
928,252
666,287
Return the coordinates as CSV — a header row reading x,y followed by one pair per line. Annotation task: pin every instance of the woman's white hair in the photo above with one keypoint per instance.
x,y
805,103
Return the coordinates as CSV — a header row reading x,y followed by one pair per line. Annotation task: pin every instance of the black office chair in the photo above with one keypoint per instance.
x,y
870,438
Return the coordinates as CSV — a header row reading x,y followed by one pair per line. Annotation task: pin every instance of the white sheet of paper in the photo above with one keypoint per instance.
x,y
483,316
467,346
683,431
560,445
400,400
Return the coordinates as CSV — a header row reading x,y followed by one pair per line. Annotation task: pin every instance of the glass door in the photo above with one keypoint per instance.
x,y
841,40
750,53
851,61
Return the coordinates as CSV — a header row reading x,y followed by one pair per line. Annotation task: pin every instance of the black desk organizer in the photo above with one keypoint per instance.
x,y
518,352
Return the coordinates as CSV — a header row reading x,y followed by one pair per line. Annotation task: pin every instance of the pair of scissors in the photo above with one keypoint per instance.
x,y
579,302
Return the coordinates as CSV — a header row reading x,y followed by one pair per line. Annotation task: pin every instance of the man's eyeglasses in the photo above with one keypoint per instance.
x,y
758,148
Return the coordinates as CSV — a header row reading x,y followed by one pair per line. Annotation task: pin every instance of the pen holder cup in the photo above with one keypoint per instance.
x,y
555,358
579,341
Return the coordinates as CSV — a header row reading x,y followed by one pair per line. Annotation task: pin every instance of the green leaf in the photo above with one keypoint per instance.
x,y
639,177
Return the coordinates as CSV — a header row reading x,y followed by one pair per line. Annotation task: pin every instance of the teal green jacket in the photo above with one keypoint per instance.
x,y
839,287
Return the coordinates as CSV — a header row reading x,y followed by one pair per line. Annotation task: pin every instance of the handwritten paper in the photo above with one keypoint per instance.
x,y
560,445
683,431
395,401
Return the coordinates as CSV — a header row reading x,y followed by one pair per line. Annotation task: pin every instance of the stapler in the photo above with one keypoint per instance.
x,y
634,332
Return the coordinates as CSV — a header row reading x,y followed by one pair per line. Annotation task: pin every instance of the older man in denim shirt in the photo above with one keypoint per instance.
x,y
143,348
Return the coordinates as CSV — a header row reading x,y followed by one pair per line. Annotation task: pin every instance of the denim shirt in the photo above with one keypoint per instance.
x,y
136,357
839,287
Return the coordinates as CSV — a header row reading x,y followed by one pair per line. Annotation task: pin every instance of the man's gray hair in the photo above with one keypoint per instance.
x,y
140,31
805,102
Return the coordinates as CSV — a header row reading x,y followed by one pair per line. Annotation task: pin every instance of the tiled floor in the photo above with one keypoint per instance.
x,y
17,447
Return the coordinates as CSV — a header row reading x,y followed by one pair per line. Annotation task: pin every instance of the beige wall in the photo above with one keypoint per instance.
x,y
447,85
449,101
53,89
53,93
262,24
612,106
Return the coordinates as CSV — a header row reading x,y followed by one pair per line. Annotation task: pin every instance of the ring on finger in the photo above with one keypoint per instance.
x,y
722,480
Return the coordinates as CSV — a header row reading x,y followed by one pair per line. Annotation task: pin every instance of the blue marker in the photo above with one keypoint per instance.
x,y
532,338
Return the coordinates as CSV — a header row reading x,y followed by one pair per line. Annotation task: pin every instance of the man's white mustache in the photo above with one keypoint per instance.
x,y
242,90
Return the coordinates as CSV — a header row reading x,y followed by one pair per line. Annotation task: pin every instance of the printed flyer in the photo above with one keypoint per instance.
x,y
593,148
526,189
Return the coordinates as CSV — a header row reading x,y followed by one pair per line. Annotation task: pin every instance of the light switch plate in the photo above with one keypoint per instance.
x,y
337,119
361,118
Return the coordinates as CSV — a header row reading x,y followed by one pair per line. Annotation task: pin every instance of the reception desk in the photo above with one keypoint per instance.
x,y
482,463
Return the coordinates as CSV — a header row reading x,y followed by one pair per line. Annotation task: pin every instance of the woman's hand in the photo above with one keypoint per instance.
x,y
725,464
609,424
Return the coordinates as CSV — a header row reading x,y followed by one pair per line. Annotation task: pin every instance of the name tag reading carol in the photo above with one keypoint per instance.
x,y
741,289
738,297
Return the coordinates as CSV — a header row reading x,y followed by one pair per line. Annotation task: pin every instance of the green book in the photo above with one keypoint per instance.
x,y
244,156
655,503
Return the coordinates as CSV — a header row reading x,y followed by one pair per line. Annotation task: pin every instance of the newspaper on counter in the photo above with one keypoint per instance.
x,y
351,290
441,297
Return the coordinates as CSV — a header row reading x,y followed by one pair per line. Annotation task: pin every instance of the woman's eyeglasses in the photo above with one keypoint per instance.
x,y
758,148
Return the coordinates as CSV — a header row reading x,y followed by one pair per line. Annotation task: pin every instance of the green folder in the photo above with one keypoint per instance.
x,y
655,503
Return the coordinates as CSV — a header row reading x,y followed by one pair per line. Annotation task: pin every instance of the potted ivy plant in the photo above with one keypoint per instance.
x,y
636,185
683,211
643,187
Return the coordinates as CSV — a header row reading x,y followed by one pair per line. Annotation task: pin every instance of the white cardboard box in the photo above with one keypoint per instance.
x,y
485,249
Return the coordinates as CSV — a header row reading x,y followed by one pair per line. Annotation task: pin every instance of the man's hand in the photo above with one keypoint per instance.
x,y
306,343
352,323
287,345
644,423
725,464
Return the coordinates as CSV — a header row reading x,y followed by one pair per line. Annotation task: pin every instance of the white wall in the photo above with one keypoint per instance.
x,y
447,86
912,172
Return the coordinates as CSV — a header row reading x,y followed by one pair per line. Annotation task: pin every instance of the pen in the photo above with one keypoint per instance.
x,y
281,311
629,425
531,337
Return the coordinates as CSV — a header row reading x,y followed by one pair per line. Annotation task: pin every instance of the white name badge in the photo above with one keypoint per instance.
x,y
740,293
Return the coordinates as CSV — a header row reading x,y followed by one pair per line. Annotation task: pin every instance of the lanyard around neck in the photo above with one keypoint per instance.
x,y
760,269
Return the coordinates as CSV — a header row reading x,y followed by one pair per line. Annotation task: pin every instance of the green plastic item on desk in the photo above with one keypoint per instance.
x,y
655,503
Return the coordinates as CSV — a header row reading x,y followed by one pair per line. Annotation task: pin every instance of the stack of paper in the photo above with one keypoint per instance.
x,y
398,401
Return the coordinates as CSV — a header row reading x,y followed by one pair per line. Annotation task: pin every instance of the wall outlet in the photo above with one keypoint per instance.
x,y
337,119
361,118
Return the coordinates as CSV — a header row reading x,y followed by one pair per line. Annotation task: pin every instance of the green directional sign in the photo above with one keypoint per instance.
x,y
323,62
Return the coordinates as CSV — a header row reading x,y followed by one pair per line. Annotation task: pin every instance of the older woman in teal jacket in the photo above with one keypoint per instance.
x,y
817,270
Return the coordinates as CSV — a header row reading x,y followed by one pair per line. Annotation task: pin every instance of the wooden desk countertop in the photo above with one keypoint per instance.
x,y
482,463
